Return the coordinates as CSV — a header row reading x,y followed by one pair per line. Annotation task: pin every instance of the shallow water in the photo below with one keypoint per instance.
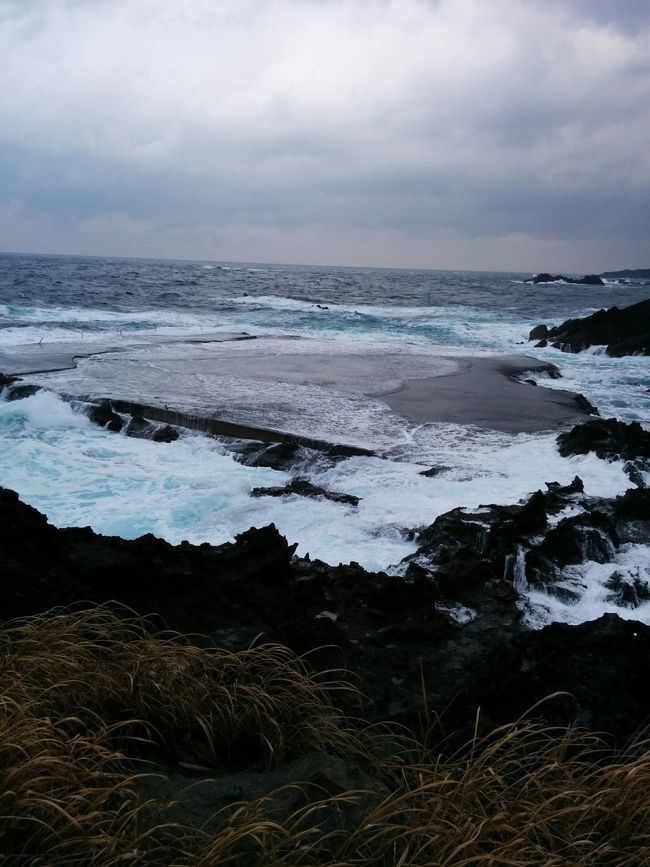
x,y
194,489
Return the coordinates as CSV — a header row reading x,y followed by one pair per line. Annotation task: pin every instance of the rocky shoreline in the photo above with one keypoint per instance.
x,y
453,624
620,332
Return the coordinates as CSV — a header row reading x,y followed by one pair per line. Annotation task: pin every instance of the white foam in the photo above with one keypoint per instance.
x,y
41,411
616,386
589,581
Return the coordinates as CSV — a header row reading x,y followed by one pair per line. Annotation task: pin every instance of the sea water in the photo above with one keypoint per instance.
x,y
195,489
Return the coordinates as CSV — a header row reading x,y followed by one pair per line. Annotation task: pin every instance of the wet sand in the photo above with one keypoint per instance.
x,y
483,392
277,388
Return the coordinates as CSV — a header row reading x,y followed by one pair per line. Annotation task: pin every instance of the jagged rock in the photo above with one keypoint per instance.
x,y
104,415
18,392
387,631
140,428
432,472
589,536
6,380
575,487
165,434
627,591
622,332
304,488
277,456
585,405
587,280
604,665
609,439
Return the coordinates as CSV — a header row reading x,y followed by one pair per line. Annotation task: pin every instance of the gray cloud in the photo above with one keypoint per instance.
x,y
449,134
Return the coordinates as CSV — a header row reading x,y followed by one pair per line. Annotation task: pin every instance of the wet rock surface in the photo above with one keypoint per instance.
x,y
305,488
390,633
105,416
607,438
623,331
587,280
611,439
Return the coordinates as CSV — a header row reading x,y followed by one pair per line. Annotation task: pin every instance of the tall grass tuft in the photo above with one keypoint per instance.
x,y
85,695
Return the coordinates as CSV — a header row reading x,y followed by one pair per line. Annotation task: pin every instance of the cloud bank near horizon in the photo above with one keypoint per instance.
x,y
423,133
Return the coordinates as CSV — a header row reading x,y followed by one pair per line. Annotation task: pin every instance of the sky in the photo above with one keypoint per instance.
x,y
504,135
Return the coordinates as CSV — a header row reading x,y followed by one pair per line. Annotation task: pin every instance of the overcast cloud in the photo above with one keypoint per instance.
x,y
510,134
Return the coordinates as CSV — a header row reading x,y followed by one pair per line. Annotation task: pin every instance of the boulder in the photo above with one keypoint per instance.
x,y
609,439
165,434
18,392
539,332
622,332
105,416
587,280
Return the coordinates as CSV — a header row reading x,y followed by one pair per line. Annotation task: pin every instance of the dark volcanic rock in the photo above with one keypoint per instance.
x,y
608,438
277,456
18,392
432,472
104,415
141,428
603,664
165,434
539,332
628,274
585,405
623,332
384,630
627,591
304,488
587,280
469,555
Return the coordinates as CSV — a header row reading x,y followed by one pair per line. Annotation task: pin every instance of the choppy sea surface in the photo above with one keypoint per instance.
x,y
79,474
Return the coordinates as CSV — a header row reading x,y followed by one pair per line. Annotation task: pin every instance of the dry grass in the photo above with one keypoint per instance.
x,y
80,692
210,708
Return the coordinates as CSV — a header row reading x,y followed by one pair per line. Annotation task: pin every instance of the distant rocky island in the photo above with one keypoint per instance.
x,y
587,280
627,274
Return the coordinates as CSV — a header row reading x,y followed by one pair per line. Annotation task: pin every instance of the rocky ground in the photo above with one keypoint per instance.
x,y
622,332
394,634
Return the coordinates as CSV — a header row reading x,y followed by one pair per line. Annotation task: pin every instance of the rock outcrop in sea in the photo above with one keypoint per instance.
x,y
587,280
621,332
453,624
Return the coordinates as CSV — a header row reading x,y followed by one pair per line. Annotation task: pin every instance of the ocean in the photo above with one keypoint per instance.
x,y
79,474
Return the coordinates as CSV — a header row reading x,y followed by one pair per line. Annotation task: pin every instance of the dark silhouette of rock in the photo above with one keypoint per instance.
x,y
165,434
587,280
105,416
585,405
385,630
539,332
628,274
141,428
18,392
432,472
609,439
622,332
277,456
304,488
